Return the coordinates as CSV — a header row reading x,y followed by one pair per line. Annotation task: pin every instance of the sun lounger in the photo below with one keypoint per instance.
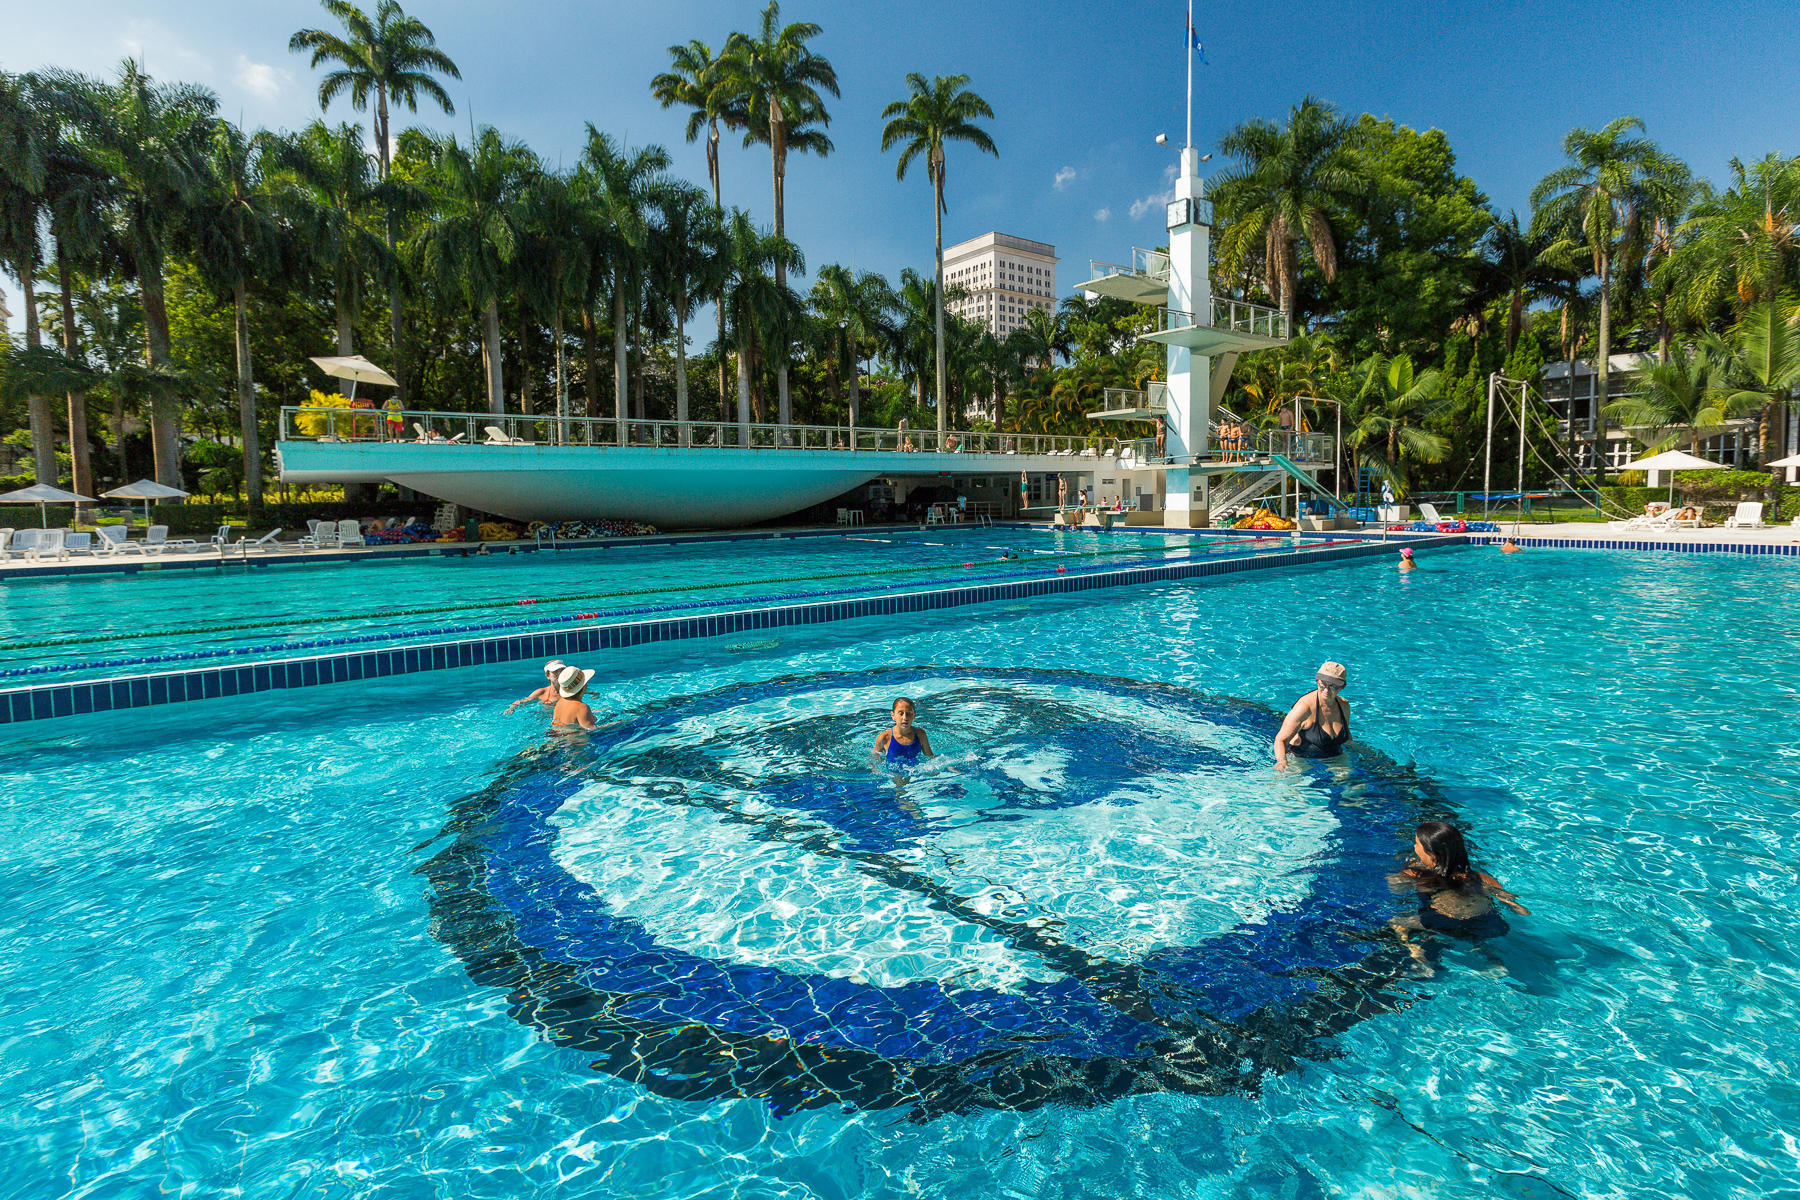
x,y
1429,512
42,542
6,537
497,436
1748,516
79,543
349,534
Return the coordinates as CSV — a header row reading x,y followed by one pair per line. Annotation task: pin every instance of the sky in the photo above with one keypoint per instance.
x,y
1079,92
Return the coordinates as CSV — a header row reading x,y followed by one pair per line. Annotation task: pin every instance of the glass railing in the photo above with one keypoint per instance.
x,y
1153,264
1236,316
448,430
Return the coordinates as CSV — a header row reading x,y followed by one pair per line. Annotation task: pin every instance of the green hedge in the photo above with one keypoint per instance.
x,y
191,520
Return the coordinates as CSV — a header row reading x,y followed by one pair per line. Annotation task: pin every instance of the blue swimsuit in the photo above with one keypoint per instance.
x,y
901,752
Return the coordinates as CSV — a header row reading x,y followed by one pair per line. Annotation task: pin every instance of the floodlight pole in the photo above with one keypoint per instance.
x,y
1520,515
1487,473
1188,49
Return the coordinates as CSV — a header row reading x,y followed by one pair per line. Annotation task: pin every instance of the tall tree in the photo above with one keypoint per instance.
x,y
622,185
27,140
777,78
938,111
236,236
702,81
152,139
755,301
686,255
470,238
858,310
1602,192
1768,352
1388,416
1514,271
1679,400
1288,181
554,263
1741,246
394,57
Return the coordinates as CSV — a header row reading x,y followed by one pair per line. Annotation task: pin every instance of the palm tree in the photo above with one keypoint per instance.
x,y
939,111
1287,182
1388,415
1680,399
394,57
622,186
1602,193
687,257
755,301
1742,244
553,263
1515,271
336,203
912,340
470,239
235,236
859,309
701,80
1768,352
27,137
776,78
152,139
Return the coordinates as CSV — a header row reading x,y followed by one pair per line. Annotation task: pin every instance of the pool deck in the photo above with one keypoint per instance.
x,y
1595,535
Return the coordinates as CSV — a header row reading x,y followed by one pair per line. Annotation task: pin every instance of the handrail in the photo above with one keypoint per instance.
x,y
454,429
1237,316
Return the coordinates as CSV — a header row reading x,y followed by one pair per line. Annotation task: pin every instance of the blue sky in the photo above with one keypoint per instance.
x,y
1079,91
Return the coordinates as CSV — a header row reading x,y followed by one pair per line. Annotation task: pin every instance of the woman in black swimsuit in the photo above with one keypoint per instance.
x,y
1319,723
1454,897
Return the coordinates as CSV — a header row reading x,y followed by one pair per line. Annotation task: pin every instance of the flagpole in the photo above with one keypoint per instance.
x,y
1190,66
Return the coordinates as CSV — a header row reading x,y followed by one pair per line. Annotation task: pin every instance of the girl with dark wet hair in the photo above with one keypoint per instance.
x,y
1454,897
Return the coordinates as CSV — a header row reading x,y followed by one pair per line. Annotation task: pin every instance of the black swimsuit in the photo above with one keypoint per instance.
x,y
1489,924
1316,743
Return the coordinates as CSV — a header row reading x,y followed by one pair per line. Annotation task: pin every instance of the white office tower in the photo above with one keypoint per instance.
x,y
1002,278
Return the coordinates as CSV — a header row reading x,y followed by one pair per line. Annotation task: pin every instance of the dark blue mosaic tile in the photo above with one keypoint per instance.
x,y
159,689
42,707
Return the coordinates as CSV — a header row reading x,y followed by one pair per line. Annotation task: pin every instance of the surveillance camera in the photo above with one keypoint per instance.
x,y
1206,158
1162,139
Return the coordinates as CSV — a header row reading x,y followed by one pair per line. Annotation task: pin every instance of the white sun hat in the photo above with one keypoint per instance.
x,y
554,666
572,681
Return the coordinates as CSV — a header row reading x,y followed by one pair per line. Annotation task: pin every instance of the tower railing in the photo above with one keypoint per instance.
x,y
1237,316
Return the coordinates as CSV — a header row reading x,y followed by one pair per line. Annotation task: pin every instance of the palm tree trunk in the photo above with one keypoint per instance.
x,y
712,152
637,362
118,430
81,470
1600,370
590,351
246,385
743,388
562,384
681,380
43,428
937,213
345,339
620,398
490,329
778,157
396,326
165,413
525,400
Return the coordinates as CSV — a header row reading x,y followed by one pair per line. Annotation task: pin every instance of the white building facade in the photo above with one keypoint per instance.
x,y
1002,277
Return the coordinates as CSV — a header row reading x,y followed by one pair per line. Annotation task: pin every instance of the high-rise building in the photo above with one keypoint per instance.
x,y
1002,278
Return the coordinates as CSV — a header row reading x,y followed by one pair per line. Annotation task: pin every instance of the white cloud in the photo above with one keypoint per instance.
x,y
260,79
1103,214
1063,177
160,52
1157,201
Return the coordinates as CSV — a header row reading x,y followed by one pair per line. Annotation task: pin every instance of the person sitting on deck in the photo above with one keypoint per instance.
x,y
547,693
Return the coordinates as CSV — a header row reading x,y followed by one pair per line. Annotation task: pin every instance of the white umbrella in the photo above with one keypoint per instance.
x,y
1792,460
1672,461
356,369
145,490
42,495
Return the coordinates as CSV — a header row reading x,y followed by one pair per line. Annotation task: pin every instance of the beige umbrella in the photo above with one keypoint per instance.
x,y
356,369
1672,461
145,490
43,495
1792,460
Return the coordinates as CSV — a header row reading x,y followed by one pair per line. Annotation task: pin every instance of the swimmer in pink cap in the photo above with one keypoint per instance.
x,y
1406,559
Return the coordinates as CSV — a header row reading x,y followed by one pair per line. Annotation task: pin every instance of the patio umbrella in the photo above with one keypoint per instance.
x,y
1792,460
43,495
1672,461
356,369
145,490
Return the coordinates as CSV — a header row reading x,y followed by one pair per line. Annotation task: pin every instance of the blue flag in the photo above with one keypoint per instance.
x,y
1194,42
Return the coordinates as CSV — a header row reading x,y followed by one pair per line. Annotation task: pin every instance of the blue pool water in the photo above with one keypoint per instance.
x,y
103,625
383,940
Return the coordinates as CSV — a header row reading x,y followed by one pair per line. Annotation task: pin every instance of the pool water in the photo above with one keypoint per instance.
x,y
110,624
382,939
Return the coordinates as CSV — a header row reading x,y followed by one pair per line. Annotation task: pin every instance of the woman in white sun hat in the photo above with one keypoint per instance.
x,y
572,711
547,693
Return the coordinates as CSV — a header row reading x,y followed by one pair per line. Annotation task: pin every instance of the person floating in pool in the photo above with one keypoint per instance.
x,y
1510,546
547,693
1319,723
1454,897
571,710
1406,559
905,743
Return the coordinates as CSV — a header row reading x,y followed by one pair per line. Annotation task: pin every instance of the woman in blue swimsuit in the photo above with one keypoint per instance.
x,y
903,745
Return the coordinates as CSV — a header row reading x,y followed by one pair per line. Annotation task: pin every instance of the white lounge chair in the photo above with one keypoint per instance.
x,y
79,543
1677,521
156,540
497,436
6,537
222,538
1747,516
264,543
349,534
1429,512
42,542
1661,520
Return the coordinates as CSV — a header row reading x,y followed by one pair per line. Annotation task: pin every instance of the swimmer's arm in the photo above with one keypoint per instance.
x,y
881,741
537,695
925,743
1498,892
585,718
1289,728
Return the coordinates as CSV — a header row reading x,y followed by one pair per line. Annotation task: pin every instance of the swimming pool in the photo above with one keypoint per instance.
x,y
245,951
112,624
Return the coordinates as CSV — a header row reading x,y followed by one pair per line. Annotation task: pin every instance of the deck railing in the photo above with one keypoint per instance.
x,y
1145,264
452,430
1238,316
